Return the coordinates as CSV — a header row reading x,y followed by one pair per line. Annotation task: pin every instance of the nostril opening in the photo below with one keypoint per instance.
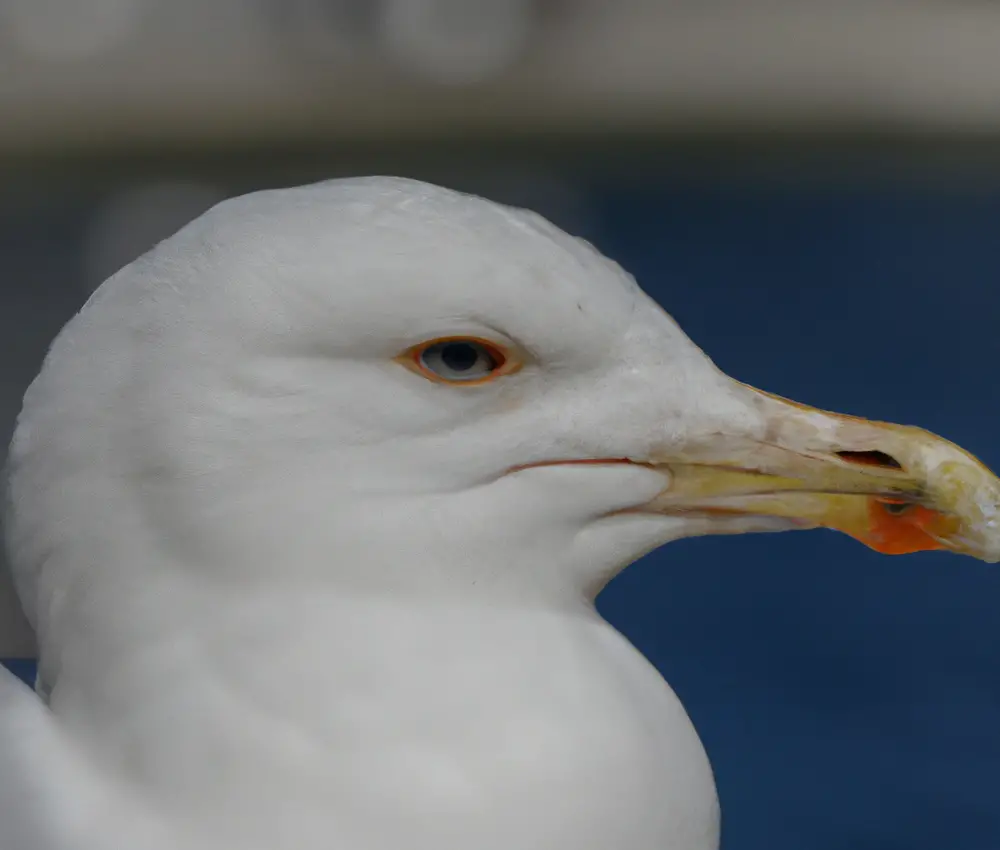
x,y
874,458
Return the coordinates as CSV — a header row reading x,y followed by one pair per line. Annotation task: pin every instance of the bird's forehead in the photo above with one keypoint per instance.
x,y
434,257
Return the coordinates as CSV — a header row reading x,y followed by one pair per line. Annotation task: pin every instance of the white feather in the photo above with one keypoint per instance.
x,y
286,594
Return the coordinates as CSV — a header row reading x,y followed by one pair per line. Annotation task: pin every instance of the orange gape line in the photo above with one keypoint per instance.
x,y
900,533
601,461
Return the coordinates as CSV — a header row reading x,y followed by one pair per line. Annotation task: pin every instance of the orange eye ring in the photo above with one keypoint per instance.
x,y
430,359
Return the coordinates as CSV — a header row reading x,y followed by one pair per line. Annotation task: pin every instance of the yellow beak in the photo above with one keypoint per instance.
x,y
895,488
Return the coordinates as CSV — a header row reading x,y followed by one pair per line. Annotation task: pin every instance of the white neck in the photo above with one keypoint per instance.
x,y
293,717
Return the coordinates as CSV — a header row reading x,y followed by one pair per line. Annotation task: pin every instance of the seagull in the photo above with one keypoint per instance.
x,y
309,506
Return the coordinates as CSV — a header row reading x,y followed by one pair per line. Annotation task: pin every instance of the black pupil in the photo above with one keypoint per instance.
x,y
460,356
897,507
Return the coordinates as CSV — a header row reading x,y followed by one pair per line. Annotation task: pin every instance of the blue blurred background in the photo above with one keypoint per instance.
x,y
844,255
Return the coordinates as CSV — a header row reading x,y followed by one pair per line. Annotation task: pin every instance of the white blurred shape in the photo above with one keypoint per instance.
x,y
133,221
456,42
66,30
330,29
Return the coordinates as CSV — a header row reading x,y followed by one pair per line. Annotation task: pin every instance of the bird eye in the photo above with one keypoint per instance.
x,y
460,360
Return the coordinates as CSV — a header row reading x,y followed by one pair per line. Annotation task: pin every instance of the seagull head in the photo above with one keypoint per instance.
x,y
329,385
